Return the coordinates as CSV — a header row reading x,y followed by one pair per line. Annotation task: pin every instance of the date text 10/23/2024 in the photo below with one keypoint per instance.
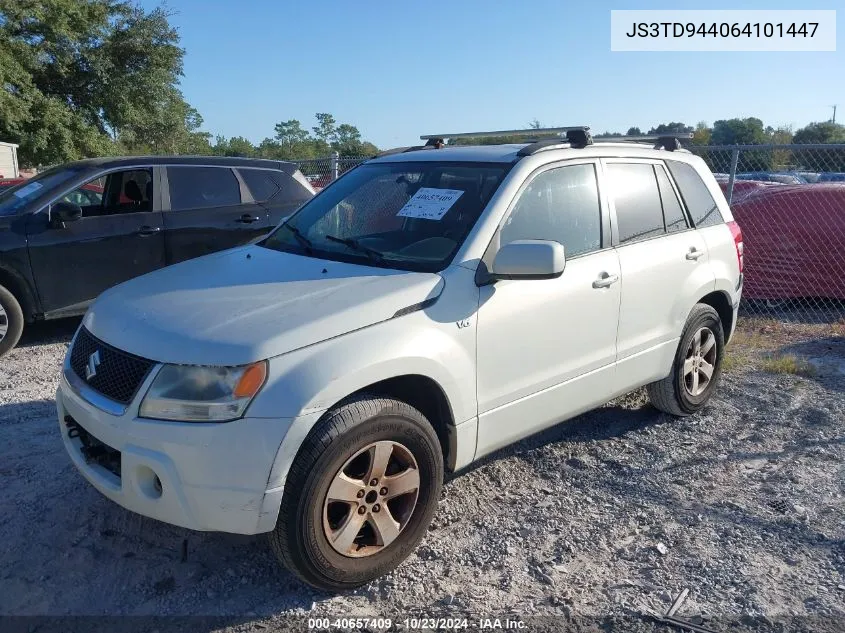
x,y
417,623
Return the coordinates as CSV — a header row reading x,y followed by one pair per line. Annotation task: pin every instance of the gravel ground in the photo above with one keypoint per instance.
x,y
611,514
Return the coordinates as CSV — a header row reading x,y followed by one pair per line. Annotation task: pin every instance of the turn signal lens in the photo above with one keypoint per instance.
x,y
252,380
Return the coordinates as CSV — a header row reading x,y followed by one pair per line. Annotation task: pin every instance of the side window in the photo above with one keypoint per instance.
x,y
202,187
263,184
561,204
129,191
673,214
638,210
700,204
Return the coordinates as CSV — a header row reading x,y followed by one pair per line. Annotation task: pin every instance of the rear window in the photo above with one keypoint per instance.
x,y
700,204
202,187
638,210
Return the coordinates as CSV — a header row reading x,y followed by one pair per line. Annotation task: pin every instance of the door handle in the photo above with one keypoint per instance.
x,y
148,230
246,218
694,254
605,280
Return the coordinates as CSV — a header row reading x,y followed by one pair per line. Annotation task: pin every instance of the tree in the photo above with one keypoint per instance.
x,y
89,77
235,146
325,129
747,131
671,128
821,160
633,131
702,133
535,124
290,132
825,132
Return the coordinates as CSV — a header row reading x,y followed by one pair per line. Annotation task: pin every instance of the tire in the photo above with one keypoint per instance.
x,y
308,519
676,394
11,321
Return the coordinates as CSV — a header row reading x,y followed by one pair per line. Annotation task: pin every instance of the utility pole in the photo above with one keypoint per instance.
x,y
834,114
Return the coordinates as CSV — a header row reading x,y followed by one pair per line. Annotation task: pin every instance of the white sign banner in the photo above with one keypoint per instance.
x,y
429,203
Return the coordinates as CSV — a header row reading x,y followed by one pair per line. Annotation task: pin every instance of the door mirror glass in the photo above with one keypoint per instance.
x,y
62,212
529,259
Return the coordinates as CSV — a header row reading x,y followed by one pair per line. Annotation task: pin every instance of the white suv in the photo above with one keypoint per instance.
x,y
424,310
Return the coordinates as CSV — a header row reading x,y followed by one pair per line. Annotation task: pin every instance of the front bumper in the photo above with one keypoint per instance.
x,y
201,476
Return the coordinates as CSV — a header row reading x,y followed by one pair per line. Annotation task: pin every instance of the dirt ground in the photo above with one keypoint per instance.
x,y
610,514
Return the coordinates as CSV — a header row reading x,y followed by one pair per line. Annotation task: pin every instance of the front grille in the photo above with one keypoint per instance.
x,y
118,374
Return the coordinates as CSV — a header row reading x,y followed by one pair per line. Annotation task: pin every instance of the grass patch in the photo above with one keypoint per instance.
x,y
787,364
731,362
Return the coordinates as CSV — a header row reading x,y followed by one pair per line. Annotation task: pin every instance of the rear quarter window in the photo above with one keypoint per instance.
x,y
700,204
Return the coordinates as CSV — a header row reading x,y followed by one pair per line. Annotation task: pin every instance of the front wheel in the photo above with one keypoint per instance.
x,y
697,366
359,495
11,321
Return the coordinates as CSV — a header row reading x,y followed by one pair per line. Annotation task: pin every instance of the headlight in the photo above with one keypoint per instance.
x,y
192,393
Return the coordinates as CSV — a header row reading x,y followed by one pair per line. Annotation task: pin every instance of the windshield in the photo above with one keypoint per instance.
x,y
412,216
14,198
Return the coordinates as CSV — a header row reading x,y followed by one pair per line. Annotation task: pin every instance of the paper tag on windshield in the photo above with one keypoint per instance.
x,y
32,187
429,203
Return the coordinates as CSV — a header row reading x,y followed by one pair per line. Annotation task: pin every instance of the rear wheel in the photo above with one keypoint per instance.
x,y
359,495
697,366
11,321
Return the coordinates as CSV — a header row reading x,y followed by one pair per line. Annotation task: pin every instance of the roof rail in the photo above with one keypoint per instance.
x,y
526,132
668,141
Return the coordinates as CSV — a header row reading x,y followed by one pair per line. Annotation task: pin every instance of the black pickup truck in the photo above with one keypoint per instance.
x,y
74,231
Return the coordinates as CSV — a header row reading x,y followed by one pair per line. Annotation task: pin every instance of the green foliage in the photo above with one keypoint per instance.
x,y
671,128
826,132
824,160
633,131
91,77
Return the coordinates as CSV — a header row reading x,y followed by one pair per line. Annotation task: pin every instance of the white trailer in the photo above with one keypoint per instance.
x,y
8,160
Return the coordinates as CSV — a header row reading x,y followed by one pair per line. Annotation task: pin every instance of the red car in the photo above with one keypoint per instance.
x,y
794,239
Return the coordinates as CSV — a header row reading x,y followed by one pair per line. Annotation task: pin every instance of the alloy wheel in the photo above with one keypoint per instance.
x,y
700,362
371,499
4,323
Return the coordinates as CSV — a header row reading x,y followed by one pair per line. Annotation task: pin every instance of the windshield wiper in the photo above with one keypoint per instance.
x,y
304,241
354,245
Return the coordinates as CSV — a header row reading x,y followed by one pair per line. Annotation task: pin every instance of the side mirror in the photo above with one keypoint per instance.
x,y
62,212
529,259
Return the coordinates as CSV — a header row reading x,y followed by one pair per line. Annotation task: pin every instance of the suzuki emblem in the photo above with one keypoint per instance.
x,y
91,367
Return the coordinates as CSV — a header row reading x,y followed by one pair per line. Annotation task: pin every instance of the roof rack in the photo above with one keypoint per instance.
x,y
577,136
667,141
527,132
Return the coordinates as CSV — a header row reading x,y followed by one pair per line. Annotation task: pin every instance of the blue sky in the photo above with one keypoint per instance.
x,y
400,69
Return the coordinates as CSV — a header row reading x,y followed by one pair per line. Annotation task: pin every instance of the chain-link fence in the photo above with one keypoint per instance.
x,y
789,201
321,171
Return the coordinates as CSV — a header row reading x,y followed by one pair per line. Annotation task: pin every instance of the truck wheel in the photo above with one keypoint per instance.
x,y
11,321
697,366
359,495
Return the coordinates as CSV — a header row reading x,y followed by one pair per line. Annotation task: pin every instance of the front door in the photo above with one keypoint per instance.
x,y
546,348
209,210
118,237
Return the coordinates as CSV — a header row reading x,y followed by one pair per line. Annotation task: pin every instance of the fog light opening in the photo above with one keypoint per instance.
x,y
149,483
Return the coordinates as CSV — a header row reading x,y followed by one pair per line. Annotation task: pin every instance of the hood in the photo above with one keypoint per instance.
x,y
248,304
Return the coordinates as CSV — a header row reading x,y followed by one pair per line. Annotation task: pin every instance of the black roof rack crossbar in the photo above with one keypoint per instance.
x,y
576,139
526,132
667,141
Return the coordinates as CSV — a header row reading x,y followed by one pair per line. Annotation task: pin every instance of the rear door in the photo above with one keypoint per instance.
x,y
208,209
278,192
118,237
664,267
